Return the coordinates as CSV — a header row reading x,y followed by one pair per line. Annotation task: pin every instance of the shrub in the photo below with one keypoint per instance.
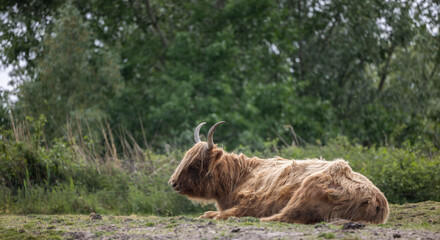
x,y
65,178
37,179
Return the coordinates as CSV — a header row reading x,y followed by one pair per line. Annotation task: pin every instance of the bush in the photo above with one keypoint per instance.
x,y
62,179
36,179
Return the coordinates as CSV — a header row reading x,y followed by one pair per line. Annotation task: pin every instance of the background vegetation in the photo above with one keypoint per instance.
x,y
108,94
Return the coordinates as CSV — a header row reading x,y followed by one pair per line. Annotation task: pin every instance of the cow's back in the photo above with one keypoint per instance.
x,y
329,188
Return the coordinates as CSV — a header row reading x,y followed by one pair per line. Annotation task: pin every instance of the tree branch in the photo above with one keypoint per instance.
x,y
385,68
141,21
436,61
327,37
300,50
350,92
434,69
156,27
219,4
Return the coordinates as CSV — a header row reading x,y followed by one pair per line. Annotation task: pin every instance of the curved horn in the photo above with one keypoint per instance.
x,y
211,133
196,132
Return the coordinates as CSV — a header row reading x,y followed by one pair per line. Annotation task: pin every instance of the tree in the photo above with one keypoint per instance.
x,y
76,74
296,71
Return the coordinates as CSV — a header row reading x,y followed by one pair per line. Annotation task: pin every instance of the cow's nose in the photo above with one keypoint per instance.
x,y
174,184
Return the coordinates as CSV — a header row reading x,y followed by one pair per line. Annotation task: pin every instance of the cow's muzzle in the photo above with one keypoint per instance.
x,y
175,186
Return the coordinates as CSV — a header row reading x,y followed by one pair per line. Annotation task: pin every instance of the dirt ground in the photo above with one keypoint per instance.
x,y
408,221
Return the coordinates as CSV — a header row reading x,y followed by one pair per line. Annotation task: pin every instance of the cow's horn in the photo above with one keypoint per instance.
x,y
197,131
211,133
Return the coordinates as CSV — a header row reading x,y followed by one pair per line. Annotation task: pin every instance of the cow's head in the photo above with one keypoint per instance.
x,y
194,175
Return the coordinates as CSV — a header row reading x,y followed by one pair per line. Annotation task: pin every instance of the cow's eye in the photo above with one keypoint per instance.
x,y
192,168
193,171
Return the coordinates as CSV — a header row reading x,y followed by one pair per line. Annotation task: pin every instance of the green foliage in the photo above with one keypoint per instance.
x,y
367,70
76,75
4,108
36,179
297,74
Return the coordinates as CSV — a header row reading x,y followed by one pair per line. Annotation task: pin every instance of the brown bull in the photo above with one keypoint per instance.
x,y
295,191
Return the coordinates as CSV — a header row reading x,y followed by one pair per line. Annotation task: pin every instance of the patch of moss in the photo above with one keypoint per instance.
x,y
172,225
150,224
327,235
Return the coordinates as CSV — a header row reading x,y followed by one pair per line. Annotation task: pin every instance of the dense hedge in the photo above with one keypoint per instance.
x,y
55,180
39,180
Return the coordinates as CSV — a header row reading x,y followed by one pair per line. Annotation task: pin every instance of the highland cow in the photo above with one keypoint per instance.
x,y
276,189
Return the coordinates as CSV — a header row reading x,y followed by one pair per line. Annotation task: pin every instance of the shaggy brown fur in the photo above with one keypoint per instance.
x,y
295,191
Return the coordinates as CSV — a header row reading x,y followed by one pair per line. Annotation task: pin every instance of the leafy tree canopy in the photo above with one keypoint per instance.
x,y
297,71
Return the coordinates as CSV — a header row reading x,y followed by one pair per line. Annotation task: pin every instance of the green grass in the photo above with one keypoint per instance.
x,y
415,216
326,235
424,215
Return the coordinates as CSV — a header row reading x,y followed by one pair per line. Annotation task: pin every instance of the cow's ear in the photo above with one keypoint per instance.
x,y
217,155
214,155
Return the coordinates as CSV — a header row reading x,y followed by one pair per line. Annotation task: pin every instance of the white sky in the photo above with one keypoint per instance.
x,y
4,78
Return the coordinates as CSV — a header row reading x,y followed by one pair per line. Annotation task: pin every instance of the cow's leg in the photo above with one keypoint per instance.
x,y
306,204
231,212
297,214
222,215
300,209
210,214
